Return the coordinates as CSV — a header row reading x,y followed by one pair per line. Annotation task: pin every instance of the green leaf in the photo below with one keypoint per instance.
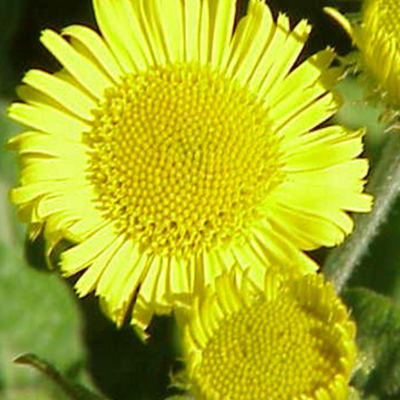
x,y
38,314
72,390
378,337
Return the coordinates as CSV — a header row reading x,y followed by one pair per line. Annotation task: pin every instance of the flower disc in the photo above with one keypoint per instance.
x,y
293,341
182,159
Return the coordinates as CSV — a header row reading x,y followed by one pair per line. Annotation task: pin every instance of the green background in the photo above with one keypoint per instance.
x,y
39,312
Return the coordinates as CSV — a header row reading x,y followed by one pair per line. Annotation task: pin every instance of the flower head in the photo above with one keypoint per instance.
x,y
174,145
292,340
377,37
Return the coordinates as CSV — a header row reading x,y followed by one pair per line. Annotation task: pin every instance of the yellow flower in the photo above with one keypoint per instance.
x,y
377,37
174,145
292,340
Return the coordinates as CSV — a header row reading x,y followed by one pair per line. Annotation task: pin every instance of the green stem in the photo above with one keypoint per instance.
x,y
384,186
73,391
